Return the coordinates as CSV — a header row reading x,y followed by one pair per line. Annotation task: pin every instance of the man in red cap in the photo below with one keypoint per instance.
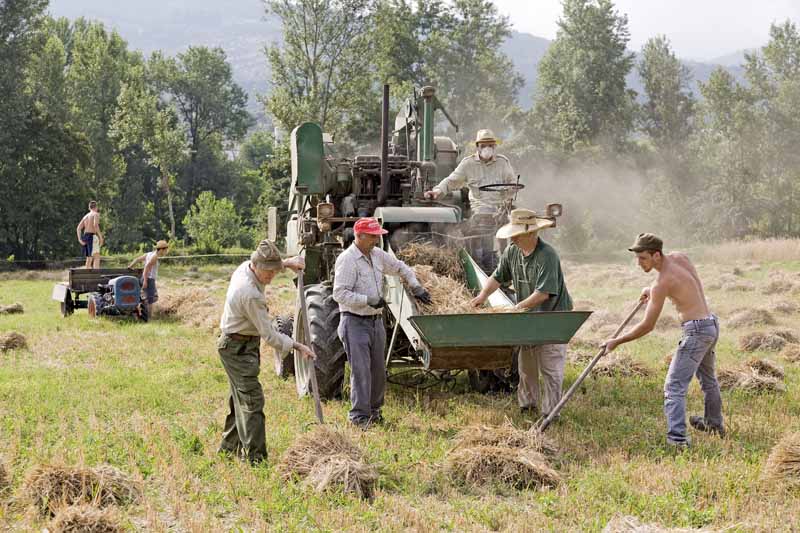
x,y
358,289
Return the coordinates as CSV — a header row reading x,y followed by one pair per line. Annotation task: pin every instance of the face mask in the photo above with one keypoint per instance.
x,y
486,153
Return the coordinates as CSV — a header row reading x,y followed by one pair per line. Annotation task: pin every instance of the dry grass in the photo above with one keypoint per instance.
x,y
783,463
631,524
85,519
791,352
508,436
13,309
765,367
485,465
761,341
756,375
766,250
192,306
443,260
448,296
620,365
50,487
738,286
326,458
12,341
750,317
785,307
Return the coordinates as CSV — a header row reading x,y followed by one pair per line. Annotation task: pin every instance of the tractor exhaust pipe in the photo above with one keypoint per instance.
x,y
384,190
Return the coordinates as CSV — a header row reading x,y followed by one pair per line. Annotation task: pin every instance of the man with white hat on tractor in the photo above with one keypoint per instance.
x,y
484,167
534,269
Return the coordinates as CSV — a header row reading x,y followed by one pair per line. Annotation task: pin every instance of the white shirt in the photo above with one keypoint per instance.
x,y
356,278
153,274
473,173
246,310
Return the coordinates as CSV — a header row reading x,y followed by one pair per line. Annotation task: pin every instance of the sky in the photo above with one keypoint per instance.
x,y
697,29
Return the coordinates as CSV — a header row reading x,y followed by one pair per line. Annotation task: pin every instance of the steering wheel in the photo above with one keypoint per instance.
x,y
499,187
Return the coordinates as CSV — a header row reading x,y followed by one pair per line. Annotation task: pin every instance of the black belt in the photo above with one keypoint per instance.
x,y
239,337
366,317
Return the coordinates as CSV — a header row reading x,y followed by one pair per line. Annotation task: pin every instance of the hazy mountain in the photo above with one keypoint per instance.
x,y
242,30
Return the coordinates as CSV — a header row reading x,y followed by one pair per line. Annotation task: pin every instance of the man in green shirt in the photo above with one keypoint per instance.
x,y
534,269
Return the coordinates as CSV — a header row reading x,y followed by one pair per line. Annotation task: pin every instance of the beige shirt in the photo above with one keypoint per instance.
x,y
473,173
357,278
246,311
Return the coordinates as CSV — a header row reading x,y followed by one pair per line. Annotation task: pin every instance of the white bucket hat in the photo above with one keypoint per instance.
x,y
523,221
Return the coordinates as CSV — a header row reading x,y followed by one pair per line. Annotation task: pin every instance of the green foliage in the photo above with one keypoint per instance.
x,y
213,223
582,98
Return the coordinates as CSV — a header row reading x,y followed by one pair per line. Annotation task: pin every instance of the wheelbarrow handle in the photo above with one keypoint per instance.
x,y
301,294
544,422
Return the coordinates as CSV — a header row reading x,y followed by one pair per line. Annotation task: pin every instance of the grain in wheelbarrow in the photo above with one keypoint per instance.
x,y
443,260
448,296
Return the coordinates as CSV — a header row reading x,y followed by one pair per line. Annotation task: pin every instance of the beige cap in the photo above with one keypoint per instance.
x,y
486,136
266,256
523,221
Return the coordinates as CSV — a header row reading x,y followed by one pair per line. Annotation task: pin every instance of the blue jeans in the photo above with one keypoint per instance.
x,y
695,356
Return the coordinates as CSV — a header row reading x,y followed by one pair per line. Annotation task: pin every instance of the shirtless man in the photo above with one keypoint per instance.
x,y
678,280
90,237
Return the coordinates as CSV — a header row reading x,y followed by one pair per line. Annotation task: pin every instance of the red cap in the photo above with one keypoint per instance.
x,y
369,226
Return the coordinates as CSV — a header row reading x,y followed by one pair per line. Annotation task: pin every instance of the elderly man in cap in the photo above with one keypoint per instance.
x,y
150,272
484,167
678,280
245,319
534,269
358,289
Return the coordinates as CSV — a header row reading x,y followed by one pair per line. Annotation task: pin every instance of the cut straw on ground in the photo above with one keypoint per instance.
x,y
620,365
760,340
85,519
12,309
631,524
486,465
783,463
50,487
756,375
325,459
12,341
506,435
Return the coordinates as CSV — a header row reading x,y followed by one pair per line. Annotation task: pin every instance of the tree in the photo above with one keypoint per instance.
x,y
669,106
211,106
139,121
582,97
322,71
213,223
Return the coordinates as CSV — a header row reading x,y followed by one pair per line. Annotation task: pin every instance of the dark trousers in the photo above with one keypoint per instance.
x,y
244,431
364,340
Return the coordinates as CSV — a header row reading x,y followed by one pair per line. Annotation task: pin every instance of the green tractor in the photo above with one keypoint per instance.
x,y
328,194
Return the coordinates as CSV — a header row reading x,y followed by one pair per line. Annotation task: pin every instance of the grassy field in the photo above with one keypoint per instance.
x,y
150,399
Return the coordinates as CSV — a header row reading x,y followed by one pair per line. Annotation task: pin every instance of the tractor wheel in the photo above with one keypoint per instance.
x,y
323,317
91,305
67,306
284,362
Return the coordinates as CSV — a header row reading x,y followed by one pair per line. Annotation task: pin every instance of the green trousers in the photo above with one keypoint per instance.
x,y
244,432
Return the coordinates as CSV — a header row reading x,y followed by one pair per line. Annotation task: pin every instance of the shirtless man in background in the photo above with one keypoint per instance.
x,y
678,280
90,236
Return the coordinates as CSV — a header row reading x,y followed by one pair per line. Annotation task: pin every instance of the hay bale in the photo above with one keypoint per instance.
x,y
631,524
342,472
443,260
13,309
506,435
791,352
620,365
12,341
515,467
761,341
50,487
783,463
85,519
750,317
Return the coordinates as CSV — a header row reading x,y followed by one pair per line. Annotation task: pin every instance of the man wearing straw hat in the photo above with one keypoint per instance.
x,y
484,167
150,272
244,320
534,268
678,280
358,289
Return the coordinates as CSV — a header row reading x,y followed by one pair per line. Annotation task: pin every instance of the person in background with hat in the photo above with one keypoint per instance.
x,y
245,319
150,272
534,269
484,167
678,280
358,289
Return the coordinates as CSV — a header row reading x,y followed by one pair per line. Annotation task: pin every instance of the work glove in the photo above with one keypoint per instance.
x,y
421,294
376,302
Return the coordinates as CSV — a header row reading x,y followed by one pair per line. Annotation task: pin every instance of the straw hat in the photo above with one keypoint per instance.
x,y
486,136
160,245
522,221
